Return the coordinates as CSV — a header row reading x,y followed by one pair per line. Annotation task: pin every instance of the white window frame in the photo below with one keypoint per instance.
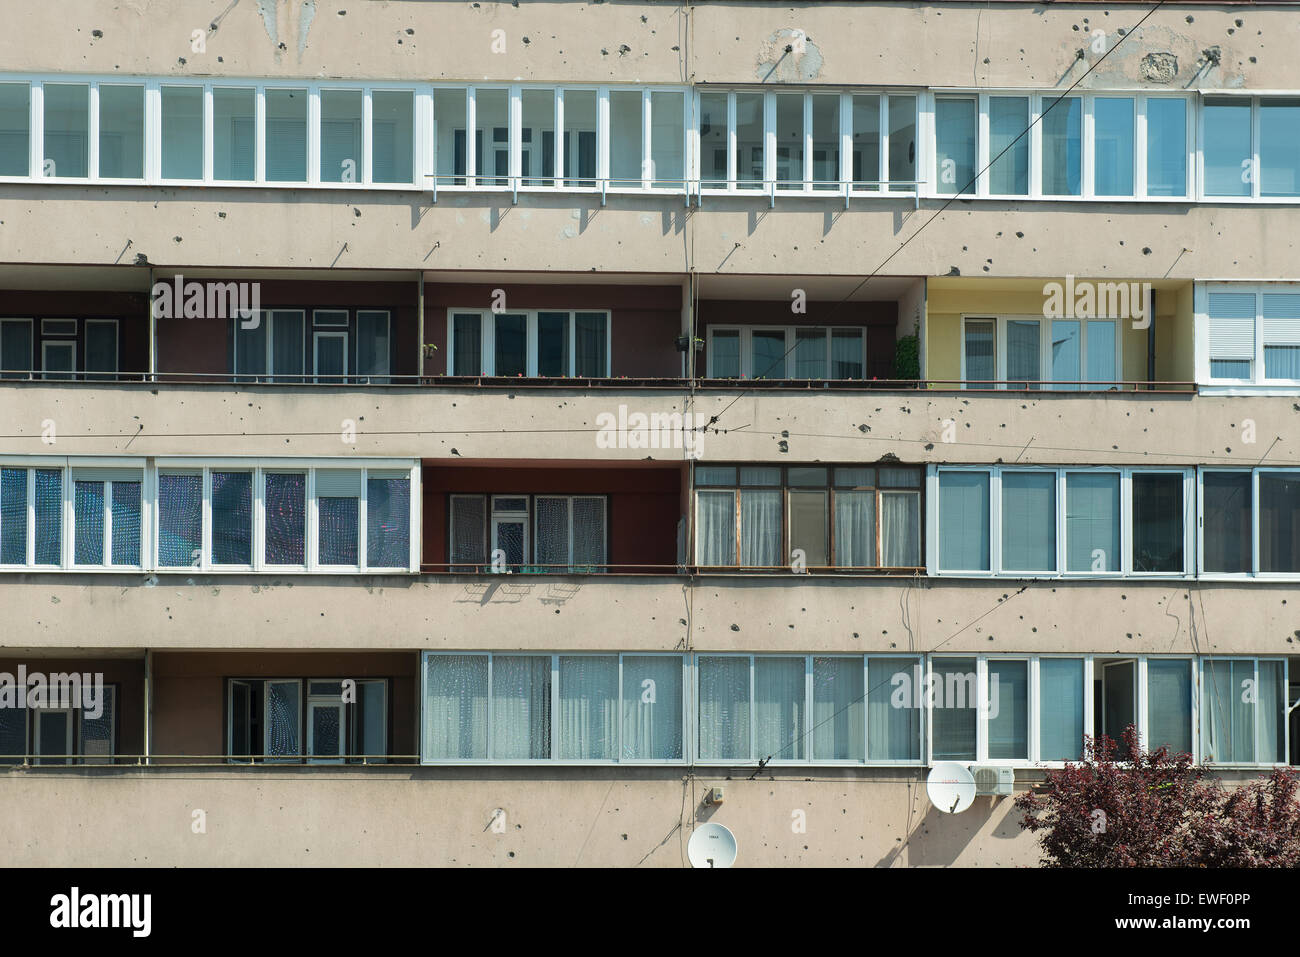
x,y
1255,536
1198,692
555,657
1045,382
789,332
267,319
317,336
570,500
70,519
70,750
1257,384
487,339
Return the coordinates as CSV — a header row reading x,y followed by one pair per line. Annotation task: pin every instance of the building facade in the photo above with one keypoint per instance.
x,y
471,434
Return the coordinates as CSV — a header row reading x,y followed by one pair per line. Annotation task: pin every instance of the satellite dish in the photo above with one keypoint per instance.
x,y
950,787
712,845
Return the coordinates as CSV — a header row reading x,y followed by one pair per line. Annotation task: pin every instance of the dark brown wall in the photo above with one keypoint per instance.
x,y
189,712
879,318
644,504
646,319
126,673
129,308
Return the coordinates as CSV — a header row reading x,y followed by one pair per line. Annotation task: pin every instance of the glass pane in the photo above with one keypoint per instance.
x,y
1279,147
1271,722
855,529
232,518
716,535
964,521
1166,147
1061,123
101,347
668,122
182,132
286,135
953,693
388,522
126,523
52,735
652,708
180,520
591,344
1157,522
589,533
286,518
331,357
779,702
808,532
1092,522
15,129
370,717
97,730
326,728
1008,713
1008,125
760,529
1060,709
15,348
521,707
1112,123
340,136
713,140
1067,340
13,517
1279,521
750,474
250,346
13,735
954,123
789,141
826,140
49,517
1226,146
1101,353
337,530
894,702
468,520
1280,362
580,138
537,137
588,707
846,354
900,529
455,707
1023,354
625,136
492,137
1029,521
467,349
1226,502
810,353
902,142
767,353
981,359
392,136
552,531
838,709
749,140
807,476
719,475
121,132
1227,715
449,136
372,344
724,708
866,139
282,712
724,355
511,346
67,129
855,478
88,540
234,134
1169,705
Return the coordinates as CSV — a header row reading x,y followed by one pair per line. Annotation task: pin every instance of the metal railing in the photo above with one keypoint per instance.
x,y
65,761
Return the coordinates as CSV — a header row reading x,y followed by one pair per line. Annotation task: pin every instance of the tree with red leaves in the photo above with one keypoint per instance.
x,y
1158,809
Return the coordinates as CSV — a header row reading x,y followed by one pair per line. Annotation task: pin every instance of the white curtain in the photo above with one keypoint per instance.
x,y
900,529
724,707
779,702
521,706
855,529
760,529
893,723
716,534
1269,741
455,706
838,709
589,707
1227,722
652,707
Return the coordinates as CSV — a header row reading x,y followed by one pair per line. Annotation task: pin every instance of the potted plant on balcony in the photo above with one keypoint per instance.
x,y
684,343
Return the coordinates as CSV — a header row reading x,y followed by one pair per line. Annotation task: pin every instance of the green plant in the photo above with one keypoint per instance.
x,y
907,358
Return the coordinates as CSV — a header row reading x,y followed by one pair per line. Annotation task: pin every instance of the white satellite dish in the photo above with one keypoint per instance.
x,y
712,845
950,787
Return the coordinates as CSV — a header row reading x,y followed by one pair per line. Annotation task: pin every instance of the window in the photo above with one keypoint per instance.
x,y
1226,147
955,123
1031,353
1035,521
340,136
392,136
107,515
535,343
272,348
286,135
626,130
121,132
769,517
538,534
1113,145
519,708
67,130
1252,334
491,136
234,134
787,352
1242,506
1243,710
182,132
1279,147
1062,138
1008,118
1166,146
15,348
338,721
15,129
71,725
338,511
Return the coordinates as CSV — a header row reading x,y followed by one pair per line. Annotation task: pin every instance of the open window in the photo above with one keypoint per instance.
x,y
337,721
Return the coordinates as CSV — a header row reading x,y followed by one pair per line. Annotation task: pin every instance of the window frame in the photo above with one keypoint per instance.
x,y
1255,518
1044,383
1284,722
487,340
1258,383
745,333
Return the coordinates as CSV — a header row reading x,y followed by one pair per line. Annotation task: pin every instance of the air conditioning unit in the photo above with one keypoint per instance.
x,y
993,780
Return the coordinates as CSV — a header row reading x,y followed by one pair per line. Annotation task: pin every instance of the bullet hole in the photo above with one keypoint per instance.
x,y
527,41
929,446
1190,18
356,212
221,59
625,836
1075,28
735,628
511,854
1146,250
410,32
855,634
282,46
180,60
953,271
1020,235
1238,22
343,13
1253,60
864,428
176,239
1231,31
97,34
221,215
1123,597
